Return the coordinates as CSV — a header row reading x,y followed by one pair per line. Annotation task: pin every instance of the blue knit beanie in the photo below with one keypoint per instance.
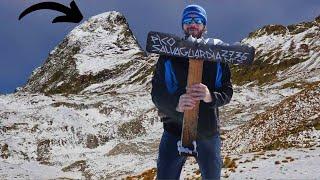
x,y
196,10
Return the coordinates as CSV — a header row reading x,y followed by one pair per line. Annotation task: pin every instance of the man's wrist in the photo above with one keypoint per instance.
x,y
177,109
208,98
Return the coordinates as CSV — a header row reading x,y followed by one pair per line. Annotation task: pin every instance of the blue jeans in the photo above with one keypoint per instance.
x,y
170,163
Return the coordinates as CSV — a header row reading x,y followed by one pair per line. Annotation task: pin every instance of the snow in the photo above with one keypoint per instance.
x,y
301,163
248,101
281,44
122,80
271,42
99,163
33,170
268,42
312,63
99,38
89,65
304,166
67,126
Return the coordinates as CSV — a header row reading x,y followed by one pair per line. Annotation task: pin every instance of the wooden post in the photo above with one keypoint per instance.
x,y
190,118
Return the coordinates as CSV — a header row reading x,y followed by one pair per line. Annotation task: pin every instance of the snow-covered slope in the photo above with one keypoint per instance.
x,y
283,52
85,109
87,136
86,113
281,126
97,56
287,60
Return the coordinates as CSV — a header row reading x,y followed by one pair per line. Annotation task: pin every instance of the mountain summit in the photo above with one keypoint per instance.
x,y
97,56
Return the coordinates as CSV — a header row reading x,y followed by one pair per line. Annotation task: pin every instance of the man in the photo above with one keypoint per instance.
x,y
172,97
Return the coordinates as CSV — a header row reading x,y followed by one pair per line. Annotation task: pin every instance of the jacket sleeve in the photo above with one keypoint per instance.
x,y
163,100
223,95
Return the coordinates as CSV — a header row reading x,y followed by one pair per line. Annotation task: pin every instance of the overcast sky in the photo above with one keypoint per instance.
x,y
25,44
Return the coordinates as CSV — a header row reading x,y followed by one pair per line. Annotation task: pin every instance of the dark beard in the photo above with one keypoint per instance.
x,y
187,34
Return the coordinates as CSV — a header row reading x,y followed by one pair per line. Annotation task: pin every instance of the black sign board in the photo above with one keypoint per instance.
x,y
172,45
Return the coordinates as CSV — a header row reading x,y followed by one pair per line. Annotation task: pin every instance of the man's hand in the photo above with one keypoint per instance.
x,y
194,93
186,102
199,92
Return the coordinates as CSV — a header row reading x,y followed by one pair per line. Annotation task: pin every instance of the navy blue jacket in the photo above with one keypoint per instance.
x,y
169,83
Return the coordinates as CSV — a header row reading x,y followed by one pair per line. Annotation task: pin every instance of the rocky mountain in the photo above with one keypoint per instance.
x,y
85,108
287,66
100,55
282,125
86,113
281,68
282,52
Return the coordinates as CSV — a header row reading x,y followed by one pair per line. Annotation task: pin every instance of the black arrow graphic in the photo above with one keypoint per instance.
x,y
73,14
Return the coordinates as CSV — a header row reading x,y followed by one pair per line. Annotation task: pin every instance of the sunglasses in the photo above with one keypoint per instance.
x,y
196,20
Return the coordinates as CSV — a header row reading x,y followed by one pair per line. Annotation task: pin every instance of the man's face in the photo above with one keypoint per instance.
x,y
193,26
